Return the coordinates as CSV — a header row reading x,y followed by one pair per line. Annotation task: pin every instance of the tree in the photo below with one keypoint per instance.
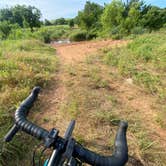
x,y
33,17
123,17
71,23
6,15
155,18
89,17
113,15
5,29
22,15
47,22
133,18
60,21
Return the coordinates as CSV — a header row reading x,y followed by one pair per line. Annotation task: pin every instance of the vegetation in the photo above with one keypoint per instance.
x,y
45,33
89,18
116,19
24,16
119,19
23,65
126,82
78,36
144,61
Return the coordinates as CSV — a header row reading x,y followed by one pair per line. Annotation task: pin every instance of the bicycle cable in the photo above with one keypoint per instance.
x,y
41,154
34,154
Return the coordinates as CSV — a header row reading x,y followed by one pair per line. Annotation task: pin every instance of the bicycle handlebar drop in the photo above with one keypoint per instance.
x,y
119,157
120,154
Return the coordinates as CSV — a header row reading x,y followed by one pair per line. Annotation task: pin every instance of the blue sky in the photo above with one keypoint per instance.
x,y
52,9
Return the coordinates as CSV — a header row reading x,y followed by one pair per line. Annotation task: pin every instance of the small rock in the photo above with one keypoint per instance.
x,y
129,80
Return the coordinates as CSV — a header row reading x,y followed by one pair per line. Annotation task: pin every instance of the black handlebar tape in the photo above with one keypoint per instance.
x,y
120,154
119,157
23,123
8,137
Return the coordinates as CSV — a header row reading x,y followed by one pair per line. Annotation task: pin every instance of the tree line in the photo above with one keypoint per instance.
x,y
116,18
121,17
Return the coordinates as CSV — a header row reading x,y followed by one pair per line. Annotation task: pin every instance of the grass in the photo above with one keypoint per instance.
x,y
144,61
23,65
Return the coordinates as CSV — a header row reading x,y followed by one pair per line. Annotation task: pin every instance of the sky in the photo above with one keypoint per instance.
x,y
52,9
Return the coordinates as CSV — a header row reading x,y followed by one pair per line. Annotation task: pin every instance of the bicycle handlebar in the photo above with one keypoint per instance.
x,y
120,154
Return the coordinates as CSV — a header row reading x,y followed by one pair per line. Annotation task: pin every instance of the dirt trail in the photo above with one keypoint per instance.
x,y
76,52
131,97
69,55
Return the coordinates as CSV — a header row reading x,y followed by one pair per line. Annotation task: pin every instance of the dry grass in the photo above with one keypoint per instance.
x,y
23,65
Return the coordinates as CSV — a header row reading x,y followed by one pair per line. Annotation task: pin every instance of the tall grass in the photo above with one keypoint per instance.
x,y
144,61
23,65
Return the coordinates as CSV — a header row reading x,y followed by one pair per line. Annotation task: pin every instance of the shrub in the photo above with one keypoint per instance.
x,y
91,35
78,36
117,37
44,35
138,30
5,29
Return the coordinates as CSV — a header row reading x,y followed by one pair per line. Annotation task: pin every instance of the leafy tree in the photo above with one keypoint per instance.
x,y
122,17
113,15
90,16
25,23
22,15
128,4
60,21
71,23
6,15
133,18
155,18
5,29
47,22
32,16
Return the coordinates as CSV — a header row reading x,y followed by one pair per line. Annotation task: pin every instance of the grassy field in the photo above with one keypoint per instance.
x,y
23,65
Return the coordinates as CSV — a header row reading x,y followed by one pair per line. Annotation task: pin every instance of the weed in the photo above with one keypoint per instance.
x,y
22,66
143,60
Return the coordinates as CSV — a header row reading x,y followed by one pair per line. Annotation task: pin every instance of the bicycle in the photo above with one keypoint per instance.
x,y
67,151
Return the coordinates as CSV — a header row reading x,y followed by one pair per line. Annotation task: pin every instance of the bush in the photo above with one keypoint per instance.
x,y
20,33
78,36
117,37
91,35
5,29
44,35
57,34
138,30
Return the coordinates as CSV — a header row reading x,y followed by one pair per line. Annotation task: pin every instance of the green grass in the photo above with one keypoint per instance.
x,y
23,65
143,60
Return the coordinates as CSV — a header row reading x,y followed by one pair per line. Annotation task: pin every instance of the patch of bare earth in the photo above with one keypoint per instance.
x,y
92,93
